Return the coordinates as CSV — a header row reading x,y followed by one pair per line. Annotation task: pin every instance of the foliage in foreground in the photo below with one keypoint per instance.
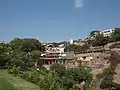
x,y
20,52
5,85
10,82
58,78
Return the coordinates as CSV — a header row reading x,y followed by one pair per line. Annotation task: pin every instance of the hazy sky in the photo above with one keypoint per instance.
x,y
56,20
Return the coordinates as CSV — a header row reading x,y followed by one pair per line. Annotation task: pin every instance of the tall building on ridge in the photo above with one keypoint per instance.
x,y
105,32
71,41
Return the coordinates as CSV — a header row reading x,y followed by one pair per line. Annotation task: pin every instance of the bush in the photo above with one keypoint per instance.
x,y
31,76
14,70
59,69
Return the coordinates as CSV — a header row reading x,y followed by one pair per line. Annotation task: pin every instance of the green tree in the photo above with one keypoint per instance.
x,y
21,59
67,78
59,69
26,44
116,35
25,52
16,43
35,55
45,80
92,33
4,53
80,74
100,40
50,82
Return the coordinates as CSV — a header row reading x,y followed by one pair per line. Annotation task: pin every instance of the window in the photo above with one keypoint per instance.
x,y
84,57
97,57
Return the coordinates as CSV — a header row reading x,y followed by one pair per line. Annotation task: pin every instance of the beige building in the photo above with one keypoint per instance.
x,y
79,42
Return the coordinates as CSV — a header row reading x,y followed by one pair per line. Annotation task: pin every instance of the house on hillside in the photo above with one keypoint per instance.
x,y
105,32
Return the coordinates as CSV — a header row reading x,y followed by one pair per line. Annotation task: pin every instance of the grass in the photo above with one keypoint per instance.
x,y
9,82
4,85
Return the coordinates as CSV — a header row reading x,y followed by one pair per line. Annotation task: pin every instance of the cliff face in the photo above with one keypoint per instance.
x,y
116,77
115,65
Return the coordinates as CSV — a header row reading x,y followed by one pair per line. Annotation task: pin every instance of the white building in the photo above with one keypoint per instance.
x,y
107,32
71,41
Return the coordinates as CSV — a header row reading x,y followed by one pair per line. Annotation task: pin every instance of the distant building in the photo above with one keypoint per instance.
x,y
55,57
105,32
79,42
71,41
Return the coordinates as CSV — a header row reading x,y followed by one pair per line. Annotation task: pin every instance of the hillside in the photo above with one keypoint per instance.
x,y
9,82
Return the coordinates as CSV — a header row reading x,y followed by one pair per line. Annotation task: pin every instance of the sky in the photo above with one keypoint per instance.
x,y
56,20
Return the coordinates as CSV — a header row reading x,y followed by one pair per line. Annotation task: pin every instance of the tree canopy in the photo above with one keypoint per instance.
x,y
26,44
100,40
20,52
4,53
92,33
116,35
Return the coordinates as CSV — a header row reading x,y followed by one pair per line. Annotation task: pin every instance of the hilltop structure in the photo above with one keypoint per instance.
x,y
105,32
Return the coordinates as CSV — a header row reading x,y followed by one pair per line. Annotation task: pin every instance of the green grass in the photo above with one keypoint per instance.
x,y
4,85
9,82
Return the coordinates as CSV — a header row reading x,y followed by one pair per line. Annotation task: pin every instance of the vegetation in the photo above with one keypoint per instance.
x,y
58,78
20,52
116,35
4,54
20,55
100,40
93,33
5,85
9,82
76,48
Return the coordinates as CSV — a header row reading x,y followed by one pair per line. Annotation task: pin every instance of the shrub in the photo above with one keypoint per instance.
x,y
31,76
59,69
14,70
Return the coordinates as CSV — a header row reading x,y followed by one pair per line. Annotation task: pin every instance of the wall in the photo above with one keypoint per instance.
x,y
93,60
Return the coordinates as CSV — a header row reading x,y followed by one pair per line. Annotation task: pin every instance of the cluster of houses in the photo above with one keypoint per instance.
x,y
54,54
94,57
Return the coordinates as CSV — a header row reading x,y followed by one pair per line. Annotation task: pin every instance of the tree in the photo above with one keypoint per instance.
x,y
59,69
69,77
25,52
50,82
26,45
16,43
116,35
35,55
80,74
21,59
31,44
100,40
92,33
45,80
4,53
